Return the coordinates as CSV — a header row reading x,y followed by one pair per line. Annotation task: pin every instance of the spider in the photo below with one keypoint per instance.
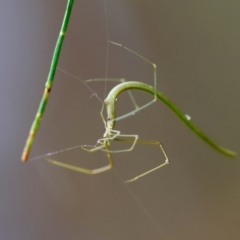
x,y
110,133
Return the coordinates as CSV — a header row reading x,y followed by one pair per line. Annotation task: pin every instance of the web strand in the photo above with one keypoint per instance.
x,y
54,153
129,190
141,205
90,89
107,52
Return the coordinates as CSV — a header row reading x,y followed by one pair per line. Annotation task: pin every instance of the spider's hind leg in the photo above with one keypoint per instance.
x,y
151,170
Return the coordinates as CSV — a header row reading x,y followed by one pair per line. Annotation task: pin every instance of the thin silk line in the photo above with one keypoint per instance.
x,y
135,198
71,75
107,54
53,153
60,151
141,205
132,194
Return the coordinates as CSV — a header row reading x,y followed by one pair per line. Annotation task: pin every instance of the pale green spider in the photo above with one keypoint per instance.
x,y
111,134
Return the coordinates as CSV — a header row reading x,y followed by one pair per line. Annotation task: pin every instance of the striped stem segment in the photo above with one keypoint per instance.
x,y
49,83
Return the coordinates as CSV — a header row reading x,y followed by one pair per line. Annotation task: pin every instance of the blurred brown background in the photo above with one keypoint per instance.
x,y
196,46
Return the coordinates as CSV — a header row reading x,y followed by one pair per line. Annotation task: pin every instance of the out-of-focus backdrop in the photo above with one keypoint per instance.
x,y
196,46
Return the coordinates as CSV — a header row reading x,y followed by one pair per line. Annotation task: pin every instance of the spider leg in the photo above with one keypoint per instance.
x,y
113,135
85,170
134,141
147,142
154,79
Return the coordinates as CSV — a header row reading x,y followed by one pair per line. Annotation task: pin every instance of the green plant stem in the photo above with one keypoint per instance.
x,y
111,111
49,83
